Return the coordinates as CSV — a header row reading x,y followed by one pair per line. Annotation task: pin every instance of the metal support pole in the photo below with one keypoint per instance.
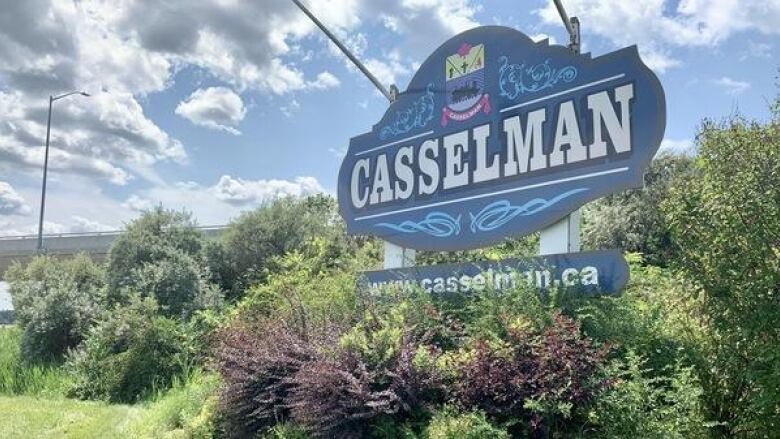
x,y
395,256
45,170
391,94
564,236
572,27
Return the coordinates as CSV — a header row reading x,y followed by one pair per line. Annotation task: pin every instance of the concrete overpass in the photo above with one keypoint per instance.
x,y
95,244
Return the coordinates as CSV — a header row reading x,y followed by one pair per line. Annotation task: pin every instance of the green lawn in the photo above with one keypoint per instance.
x,y
28,417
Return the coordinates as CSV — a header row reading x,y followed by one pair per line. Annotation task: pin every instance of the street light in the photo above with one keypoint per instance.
x,y
46,163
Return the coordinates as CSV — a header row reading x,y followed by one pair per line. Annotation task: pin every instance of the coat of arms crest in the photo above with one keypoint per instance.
x,y
465,84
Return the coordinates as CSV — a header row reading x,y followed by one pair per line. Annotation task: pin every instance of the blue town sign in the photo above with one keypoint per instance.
x,y
603,272
498,136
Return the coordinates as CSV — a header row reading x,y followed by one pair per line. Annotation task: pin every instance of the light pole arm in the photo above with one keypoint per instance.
x,y
65,95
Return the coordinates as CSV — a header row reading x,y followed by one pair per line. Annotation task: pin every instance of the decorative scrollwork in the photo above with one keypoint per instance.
x,y
517,79
416,116
498,213
438,224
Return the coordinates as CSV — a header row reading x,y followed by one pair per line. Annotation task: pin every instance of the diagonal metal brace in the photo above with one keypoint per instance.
x,y
391,95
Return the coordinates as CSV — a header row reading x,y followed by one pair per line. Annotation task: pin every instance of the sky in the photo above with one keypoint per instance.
x,y
217,106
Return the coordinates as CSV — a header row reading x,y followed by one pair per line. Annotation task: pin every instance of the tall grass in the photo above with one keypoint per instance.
x,y
185,410
19,378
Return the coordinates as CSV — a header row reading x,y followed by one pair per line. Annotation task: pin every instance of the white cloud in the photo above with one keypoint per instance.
x,y
290,108
389,69
55,46
656,26
242,192
217,108
324,81
676,146
137,204
84,225
11,203
731,86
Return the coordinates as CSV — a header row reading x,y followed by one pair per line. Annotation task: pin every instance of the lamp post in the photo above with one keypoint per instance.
x,y
46,163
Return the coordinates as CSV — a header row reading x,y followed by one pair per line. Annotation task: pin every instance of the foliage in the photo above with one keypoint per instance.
x,y
510,248
649,318
55,302
302,291
256,371
643,404
20,378
345,395
448,424
185,410
726,225
177,285
160,255
539,377
632,220
254,241
129,353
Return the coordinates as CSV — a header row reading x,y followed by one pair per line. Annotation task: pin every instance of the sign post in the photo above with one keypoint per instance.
x,y
564,236
500,136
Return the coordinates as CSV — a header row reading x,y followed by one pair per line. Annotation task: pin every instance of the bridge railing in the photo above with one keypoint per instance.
x,y
90,234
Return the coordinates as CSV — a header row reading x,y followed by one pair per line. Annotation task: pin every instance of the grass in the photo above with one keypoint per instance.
x,y
33,404
29,416
182,412
17,378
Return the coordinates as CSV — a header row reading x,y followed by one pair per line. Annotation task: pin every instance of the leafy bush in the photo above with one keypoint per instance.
x,y
643,404
177,285
448,424
344,396
256,367
55,303
539,377
633,220
160,255
252,242
129,353
726,224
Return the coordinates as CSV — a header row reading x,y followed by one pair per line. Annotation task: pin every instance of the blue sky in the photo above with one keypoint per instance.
x,y
219,105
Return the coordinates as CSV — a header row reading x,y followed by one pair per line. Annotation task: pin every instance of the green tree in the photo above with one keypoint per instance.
x,y
725,223
632,220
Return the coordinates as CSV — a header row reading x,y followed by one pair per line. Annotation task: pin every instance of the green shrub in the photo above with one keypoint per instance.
x,y
726,224
301,292
55,303
255,240
159,255
448,424
177,284
643,404
129,353
20,378
632,220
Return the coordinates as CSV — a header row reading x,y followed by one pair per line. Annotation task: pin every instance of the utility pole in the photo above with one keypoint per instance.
x,y
46,165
